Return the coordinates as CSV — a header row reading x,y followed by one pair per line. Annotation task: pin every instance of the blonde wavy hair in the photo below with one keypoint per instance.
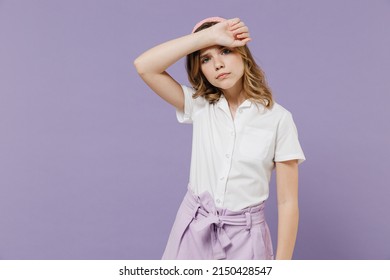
x,y
254,83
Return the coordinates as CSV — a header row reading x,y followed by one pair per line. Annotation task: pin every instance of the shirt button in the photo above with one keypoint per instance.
x,y
240,111
218,201
227,156
222,178
232,133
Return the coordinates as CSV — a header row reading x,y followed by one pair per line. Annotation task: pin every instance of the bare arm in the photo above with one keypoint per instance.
x,y
152,64
288,211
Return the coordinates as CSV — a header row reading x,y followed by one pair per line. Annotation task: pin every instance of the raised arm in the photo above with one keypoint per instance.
x,y
152,64
288,211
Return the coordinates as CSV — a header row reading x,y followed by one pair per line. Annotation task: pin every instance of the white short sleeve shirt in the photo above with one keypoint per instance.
x,y
233,159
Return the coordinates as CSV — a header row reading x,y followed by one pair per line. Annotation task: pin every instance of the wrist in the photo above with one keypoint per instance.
x,y
205,38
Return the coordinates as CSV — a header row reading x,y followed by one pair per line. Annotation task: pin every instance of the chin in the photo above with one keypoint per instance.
x,y
225,86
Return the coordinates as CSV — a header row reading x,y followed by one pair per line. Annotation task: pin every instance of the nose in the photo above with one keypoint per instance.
x,y
218,64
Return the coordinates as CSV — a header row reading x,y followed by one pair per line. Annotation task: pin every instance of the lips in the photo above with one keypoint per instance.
x,y
222,76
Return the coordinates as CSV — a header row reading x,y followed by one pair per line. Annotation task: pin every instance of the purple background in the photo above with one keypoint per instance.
x,y
93,165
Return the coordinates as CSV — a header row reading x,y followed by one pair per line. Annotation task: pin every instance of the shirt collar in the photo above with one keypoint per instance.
x,y
247,104
223,104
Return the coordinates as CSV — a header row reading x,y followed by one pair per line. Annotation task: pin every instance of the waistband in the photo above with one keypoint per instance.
x,y
202,208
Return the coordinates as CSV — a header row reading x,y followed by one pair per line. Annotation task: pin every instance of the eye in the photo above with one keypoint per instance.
x,y
226,51
204,60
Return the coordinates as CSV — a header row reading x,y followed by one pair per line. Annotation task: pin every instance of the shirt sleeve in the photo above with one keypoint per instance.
x,y
287,143
191,106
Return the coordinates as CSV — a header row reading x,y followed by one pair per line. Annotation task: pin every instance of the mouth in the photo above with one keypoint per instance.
x,y
222,76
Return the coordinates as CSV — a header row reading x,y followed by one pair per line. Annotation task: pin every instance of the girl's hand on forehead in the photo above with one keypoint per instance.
x,y
230,33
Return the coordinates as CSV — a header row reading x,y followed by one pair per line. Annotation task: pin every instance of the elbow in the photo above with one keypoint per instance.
x,y
290,201
144,66
290,206
138,66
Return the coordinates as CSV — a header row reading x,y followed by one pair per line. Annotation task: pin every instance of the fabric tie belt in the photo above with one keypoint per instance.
x,y
206,214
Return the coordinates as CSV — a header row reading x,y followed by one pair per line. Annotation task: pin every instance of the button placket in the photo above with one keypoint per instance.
x,y
224,175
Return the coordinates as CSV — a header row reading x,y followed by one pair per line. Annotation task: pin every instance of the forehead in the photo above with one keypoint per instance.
x,y
211,49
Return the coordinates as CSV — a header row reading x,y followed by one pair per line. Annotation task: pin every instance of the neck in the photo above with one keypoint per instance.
x,y
234,96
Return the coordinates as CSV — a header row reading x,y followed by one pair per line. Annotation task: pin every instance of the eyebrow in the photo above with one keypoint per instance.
x,y
207,52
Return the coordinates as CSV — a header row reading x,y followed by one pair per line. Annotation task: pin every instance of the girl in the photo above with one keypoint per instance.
x,y
239,136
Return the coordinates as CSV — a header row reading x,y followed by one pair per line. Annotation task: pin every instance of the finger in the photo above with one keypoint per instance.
x,y
240,43
244,42
243,35
243,29
237,25
234,20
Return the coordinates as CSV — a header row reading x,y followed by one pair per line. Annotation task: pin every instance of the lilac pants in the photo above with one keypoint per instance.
x,y
203,231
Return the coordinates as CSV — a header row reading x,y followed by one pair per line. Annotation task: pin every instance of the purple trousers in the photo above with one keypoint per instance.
x,y
202,231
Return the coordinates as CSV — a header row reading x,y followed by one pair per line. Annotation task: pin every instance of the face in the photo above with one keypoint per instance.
x,y
222,67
